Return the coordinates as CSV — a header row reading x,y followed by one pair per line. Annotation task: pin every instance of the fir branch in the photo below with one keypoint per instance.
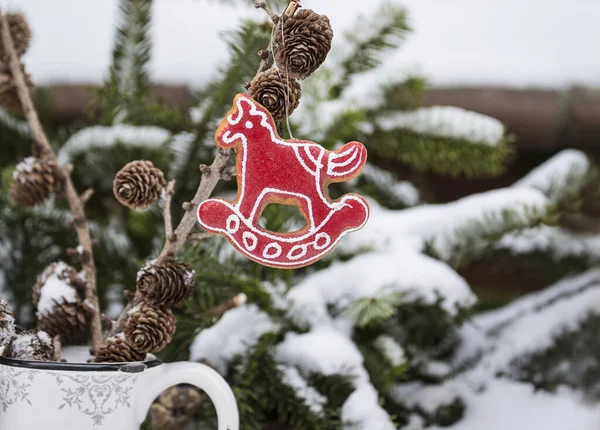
x,y
446,156
76,205
380,34
132,48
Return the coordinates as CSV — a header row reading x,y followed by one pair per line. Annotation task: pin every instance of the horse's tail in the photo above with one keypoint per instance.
x,y
346,162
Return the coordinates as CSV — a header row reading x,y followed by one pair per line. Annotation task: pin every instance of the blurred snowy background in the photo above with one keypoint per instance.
x,y
540,43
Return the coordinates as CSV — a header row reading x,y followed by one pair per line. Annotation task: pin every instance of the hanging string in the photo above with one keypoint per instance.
x,y
287,76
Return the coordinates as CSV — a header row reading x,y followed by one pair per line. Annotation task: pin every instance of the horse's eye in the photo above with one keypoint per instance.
x,y
249,124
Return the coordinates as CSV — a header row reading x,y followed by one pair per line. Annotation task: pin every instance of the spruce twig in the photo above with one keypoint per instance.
x,y
76,204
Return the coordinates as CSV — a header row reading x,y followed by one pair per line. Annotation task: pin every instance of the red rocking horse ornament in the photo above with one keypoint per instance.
x,y
290,172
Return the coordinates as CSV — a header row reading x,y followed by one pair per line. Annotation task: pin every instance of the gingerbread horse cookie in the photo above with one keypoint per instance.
x,y
291,172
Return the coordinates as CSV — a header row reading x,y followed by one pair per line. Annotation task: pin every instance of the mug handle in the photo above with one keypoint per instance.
x,y
196,374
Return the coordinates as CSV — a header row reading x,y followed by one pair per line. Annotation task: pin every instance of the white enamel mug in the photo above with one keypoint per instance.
x,y
78,396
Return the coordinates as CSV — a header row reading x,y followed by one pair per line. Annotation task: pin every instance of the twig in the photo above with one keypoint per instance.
x,y
263,5
197,237
76,205
167,210
232,303
57,346
86,195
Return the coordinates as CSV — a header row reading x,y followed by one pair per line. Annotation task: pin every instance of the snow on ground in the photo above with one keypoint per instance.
x,y
498,42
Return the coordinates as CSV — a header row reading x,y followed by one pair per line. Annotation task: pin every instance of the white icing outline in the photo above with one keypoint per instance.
x,y
254,232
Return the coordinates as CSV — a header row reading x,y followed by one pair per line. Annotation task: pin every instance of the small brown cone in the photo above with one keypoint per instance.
x,y
139,184
167,284
149,328
64,314
272,88
34,181
7,324
20,32
9,98
31,345
304,44
175,407
117,350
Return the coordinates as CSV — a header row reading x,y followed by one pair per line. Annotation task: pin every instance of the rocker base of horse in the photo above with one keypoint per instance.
x,y
283,250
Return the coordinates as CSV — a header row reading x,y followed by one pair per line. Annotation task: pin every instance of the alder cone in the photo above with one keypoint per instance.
x,y
175,407
272,88
19,31
139,184
68,318
34,180
150,328
7,324
303,44
117,350
167,284
9,98
30,345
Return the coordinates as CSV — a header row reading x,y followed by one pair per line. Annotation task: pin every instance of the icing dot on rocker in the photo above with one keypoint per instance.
x,y
233,223
272,250
249,124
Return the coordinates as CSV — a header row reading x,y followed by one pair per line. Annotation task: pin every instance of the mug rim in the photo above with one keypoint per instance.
x,y
126,367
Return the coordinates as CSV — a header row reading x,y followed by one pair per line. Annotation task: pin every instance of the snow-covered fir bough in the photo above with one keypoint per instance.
x,y
385,333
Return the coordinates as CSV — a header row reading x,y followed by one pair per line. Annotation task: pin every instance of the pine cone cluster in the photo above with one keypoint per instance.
x,y
117,350
20,33
149,328
175,408
34,180
277,92
58,297
301,42
139,184
7,325
31,345
300,45
167,284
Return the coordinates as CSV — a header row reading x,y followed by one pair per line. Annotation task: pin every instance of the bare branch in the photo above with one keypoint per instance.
x,y
86,195
57,346
76,205
232,303
263,5
169,190
196,238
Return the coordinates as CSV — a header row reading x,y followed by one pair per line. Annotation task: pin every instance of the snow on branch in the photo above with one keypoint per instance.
x,y
103,137
237,331
564,172
402,192
437,224
420,277
327,352
490,345
449,122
